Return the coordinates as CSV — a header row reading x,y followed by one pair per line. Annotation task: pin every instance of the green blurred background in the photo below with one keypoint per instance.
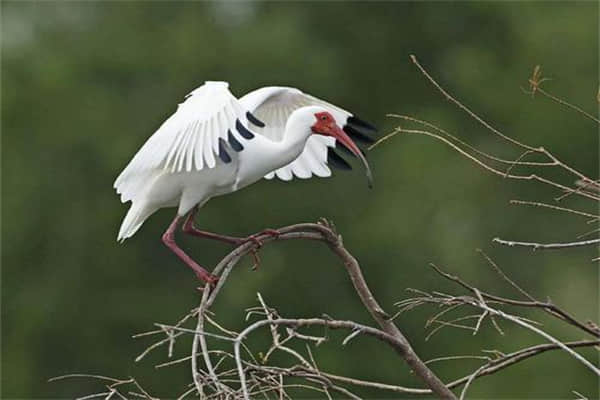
x,y
84,84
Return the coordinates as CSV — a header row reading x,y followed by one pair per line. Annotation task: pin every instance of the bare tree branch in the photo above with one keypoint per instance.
x,y
551,206
398,345
546,246
324,232
534,87
550,307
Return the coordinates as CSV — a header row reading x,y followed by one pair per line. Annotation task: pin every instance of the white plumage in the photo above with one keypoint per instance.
x,y
186,141
273,105
215,144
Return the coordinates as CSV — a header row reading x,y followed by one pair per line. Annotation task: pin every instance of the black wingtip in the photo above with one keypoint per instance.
x,y
233,142
255,121
246,134
354,120
358,135
223,155
337,161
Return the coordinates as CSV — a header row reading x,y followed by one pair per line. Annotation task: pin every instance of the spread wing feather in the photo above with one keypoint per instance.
x,y
273,106
188,140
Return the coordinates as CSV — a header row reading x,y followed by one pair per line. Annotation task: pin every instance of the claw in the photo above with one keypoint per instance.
x,y
254,238
256,260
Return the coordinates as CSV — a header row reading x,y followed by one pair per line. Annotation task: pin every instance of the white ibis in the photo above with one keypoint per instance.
x,y
216,144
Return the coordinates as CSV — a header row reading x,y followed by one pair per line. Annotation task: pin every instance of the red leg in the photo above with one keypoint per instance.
x,y
168,239
189,228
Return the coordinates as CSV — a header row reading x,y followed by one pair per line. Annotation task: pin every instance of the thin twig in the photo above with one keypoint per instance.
x,y
539,204
472,377
535,82
546,246
504,276
552,308
466,109
540,332
333,324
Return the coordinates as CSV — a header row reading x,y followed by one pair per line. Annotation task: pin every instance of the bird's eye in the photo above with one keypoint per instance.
x,y
324,118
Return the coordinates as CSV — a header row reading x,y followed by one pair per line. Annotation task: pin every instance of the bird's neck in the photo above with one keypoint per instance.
x,y
294,139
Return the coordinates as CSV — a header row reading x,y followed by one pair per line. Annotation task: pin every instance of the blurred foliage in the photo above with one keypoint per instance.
x,y
84,84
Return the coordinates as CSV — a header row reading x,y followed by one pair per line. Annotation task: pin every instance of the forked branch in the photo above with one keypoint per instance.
x,y
325,232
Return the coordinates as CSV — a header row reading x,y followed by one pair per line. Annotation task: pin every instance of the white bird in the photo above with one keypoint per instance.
x,y
216,144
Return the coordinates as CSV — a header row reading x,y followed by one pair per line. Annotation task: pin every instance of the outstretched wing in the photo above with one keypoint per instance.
x,y
190,139
271,108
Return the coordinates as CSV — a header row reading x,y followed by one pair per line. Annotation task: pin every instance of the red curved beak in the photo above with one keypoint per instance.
x,y
344,139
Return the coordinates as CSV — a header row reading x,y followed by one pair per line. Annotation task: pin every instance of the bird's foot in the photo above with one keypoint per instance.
x,y
255,239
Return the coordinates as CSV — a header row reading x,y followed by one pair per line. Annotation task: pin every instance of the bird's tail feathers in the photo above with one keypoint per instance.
x,y
137,214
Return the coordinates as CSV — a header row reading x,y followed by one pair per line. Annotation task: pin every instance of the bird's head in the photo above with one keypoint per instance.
x,y
326,125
